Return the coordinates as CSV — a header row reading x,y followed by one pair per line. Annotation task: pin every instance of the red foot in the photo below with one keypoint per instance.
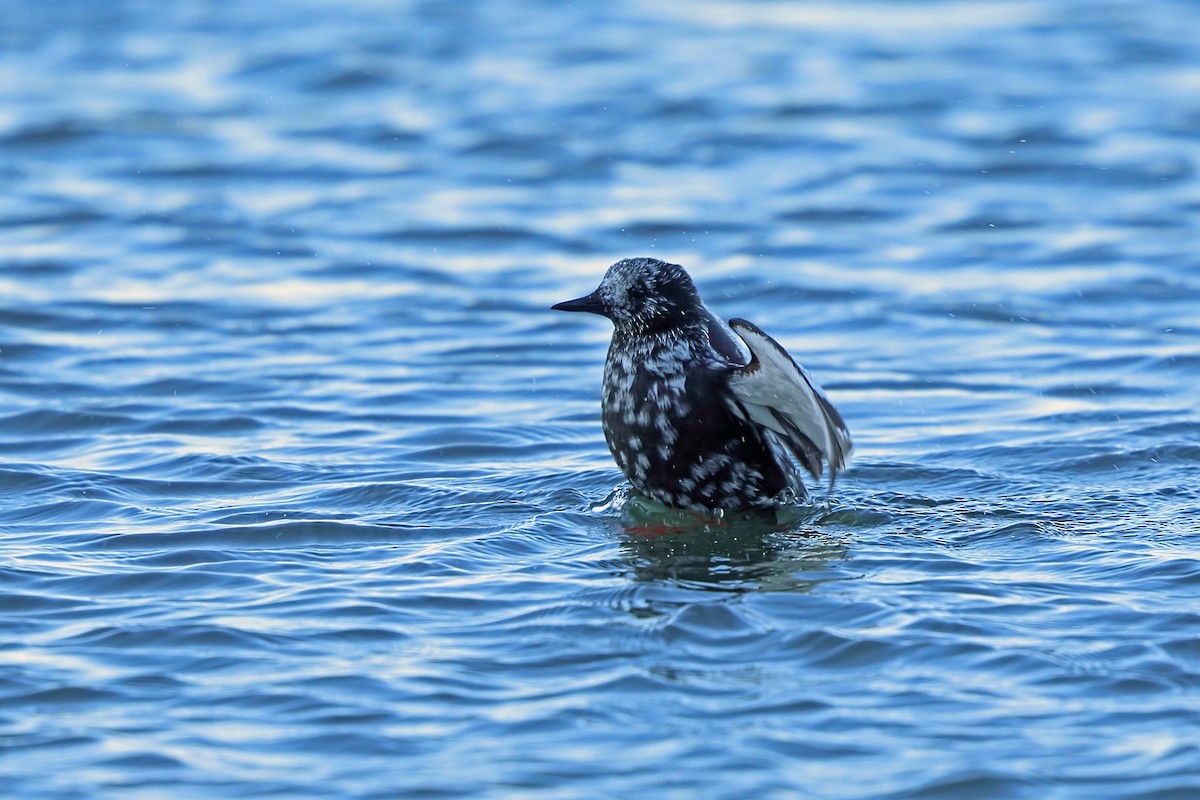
x,y
652,531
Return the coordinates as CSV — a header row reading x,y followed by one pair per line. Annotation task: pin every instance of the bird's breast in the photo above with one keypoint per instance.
x,y
672,433
644,403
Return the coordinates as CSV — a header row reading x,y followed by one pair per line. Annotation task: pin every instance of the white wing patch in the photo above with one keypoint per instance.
x,y
775,392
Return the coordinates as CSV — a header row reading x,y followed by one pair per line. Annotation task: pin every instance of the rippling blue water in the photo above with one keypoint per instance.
x,y
305,492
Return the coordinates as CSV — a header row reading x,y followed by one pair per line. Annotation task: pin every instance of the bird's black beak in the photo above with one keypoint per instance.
x,y
590,303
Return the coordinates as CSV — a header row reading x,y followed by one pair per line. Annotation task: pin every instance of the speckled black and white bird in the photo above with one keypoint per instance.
x,y
693,419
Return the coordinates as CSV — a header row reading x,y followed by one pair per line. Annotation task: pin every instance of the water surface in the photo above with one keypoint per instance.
x,y
305,493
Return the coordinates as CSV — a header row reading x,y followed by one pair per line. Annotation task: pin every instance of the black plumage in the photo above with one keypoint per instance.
x,y
693,418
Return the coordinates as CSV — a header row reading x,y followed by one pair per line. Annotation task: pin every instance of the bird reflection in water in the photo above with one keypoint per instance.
x,y
780,549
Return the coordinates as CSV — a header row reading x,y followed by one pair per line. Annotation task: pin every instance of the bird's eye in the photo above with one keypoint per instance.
x,y
638,292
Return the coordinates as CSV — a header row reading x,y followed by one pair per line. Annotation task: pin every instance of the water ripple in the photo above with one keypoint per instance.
x,y
305,489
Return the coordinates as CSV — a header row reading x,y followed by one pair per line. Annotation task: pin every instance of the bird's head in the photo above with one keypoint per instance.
x,y
641,295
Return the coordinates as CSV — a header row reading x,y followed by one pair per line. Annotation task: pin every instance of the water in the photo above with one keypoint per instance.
x,y
305,493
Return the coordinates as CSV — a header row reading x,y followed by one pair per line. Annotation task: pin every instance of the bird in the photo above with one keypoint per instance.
x,y
701,415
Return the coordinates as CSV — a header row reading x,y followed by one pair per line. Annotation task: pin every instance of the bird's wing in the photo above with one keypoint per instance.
x,y
724,342
776,393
